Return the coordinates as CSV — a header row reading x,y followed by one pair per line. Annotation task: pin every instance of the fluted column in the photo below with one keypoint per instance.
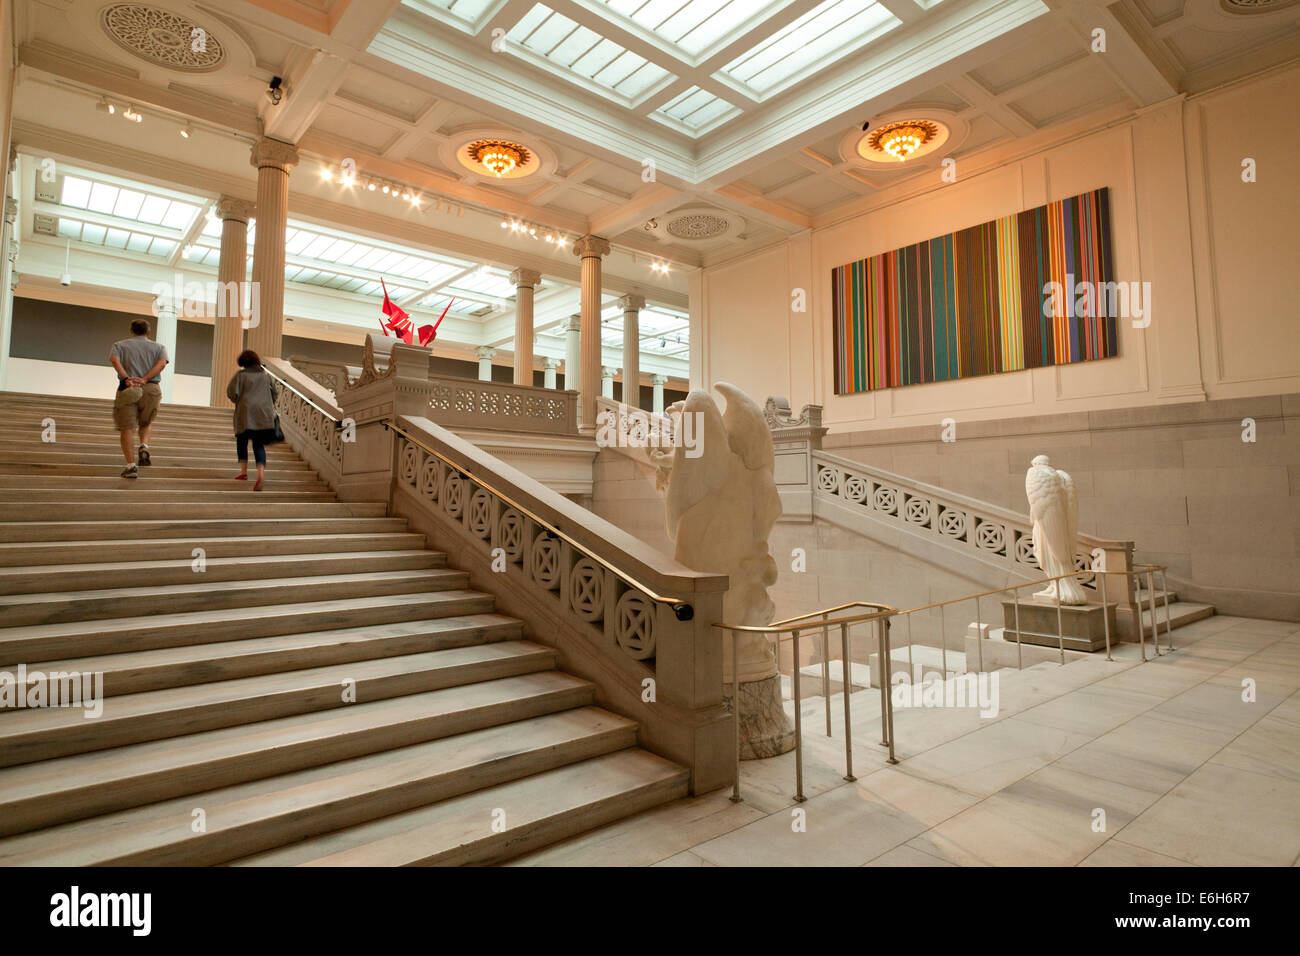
x,y
551,364
572,352
590,249
8,275
657,405
525,281
232,274
607,381
485,355
632,306
165,335
273,160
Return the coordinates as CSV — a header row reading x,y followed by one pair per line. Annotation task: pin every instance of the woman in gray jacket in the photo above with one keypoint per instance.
x,y
253,393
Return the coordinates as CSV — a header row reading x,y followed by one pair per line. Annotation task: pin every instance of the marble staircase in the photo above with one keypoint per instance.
x,y
313,686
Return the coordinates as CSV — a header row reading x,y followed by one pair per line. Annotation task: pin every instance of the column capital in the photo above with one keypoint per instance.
x,y
241,210
607,371
574,324
525,277
486,352
549,363
11,209
591,247
657,379
272,152
632,303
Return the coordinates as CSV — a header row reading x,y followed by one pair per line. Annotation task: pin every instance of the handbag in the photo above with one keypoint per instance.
x,y
279,433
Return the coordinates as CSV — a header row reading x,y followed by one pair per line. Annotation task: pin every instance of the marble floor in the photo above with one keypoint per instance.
x,y
1094,763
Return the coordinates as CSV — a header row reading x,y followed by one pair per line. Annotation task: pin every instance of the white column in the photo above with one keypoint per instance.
x,y
572,352
232,273
273,160
165,335
590,249
550,366
632,306
607,381
485,355
525,281
658,382
8,280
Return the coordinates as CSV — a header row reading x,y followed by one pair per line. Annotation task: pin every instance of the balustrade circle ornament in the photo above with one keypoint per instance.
x,y
634,625
856,488
546,561
163,37
917,511
409,456
480,513
828,480
453,495
429,475
886,500
952,523
587,589
1025,550
510,533
989,536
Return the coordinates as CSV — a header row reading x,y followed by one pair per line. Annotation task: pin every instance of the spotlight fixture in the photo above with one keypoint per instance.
x,y
132,114
104,106
865,125
370,186
385,189
660,267
273,91
325,173
504,224
186,131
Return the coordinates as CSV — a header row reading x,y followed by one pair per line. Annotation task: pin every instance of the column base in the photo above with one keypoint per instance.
x,y
765,729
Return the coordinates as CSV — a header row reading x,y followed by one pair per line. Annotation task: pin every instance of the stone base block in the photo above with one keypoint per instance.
x,y
765,729
1082,628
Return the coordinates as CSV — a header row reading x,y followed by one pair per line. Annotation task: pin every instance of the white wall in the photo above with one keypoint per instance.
x,y
90,381
1219,255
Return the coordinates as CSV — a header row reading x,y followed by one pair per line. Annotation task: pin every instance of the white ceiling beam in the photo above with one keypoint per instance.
x,y
1136,61
311,78
974,93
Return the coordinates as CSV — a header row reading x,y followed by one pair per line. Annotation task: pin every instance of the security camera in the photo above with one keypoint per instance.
x,y
273,92
65,279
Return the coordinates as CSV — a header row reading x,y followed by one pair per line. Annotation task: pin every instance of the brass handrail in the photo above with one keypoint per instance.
x,y
293,388
682,609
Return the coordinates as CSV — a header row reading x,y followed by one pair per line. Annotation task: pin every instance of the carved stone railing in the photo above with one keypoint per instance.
x,y
640,435
621,614
331,376
992,535
309,419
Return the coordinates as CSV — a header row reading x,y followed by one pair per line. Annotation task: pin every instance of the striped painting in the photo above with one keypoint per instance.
x,y
979,301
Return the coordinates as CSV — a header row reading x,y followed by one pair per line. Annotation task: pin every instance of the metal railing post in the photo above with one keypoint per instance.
x,y
848,717
735,704
979,639
885,681
1169,627
798,726
1020,656
826,672
943,642
1060,628
1151,600
1105,614
883,624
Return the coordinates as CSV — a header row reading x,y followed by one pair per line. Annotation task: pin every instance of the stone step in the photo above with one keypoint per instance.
x,y
37,554
139,671
56,791
48,642
50,474
1180,614
921,658
538,810
163,452
1160,595
59,607
133,491
88,530
21,402
48,511
50,456
44,733
171,435
253,817
72,486
128,574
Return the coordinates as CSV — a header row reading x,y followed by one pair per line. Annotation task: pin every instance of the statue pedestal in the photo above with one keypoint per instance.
x,y
1083,626
765,730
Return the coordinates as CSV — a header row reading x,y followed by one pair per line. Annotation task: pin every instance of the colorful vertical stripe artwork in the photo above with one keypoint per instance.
x,y
1024,291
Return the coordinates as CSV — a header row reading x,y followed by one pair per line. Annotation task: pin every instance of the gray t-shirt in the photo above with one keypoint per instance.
x,y
138,354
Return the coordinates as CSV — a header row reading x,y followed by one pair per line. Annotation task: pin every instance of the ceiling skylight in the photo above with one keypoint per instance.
x,y
692,26
823,35
697,110
570,50
128,205
465,13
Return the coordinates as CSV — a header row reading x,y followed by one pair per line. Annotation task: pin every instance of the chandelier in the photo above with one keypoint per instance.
x,y
901,140
498,155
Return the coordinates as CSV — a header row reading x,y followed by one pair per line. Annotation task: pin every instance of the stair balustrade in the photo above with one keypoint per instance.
x,y
309,418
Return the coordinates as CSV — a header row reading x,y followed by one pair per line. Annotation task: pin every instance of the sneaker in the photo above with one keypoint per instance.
x,y
130,471
142,453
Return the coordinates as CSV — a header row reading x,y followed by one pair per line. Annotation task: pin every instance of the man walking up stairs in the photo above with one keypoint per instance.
x,y
275,677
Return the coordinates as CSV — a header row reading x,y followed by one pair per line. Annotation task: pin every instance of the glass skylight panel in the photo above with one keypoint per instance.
x,y
573,50
466,11
179,215
152,210
161,247
823,35
138,242
76,191
69,229
128,204
102,198
691,25
93,234
697,108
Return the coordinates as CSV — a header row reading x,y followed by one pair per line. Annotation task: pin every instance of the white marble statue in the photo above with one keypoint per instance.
x,y
721,505
1054,510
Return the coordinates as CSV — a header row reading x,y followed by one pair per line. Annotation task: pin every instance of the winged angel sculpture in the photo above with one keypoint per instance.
x,y
721,506
1054,510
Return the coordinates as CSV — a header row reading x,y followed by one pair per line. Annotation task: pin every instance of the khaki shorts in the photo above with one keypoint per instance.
x,y
131,417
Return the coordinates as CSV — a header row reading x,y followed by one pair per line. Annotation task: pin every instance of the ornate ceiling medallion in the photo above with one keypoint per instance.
x,y
1248,7
698,226
498,156
163,37
900,140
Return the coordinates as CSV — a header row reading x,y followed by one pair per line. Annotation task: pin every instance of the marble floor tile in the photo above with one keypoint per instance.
x,y
1092,710
846,827
1046,819
985,761
1223,816
1160,681
1147,753
651,836
1270,747
1116,852
1216,707
685,858
906,855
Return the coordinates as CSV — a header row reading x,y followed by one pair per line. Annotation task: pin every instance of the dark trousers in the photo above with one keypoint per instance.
x,y
241,449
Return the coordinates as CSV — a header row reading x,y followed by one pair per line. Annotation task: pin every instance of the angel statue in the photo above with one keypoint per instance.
x,y
721,505
1054,510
